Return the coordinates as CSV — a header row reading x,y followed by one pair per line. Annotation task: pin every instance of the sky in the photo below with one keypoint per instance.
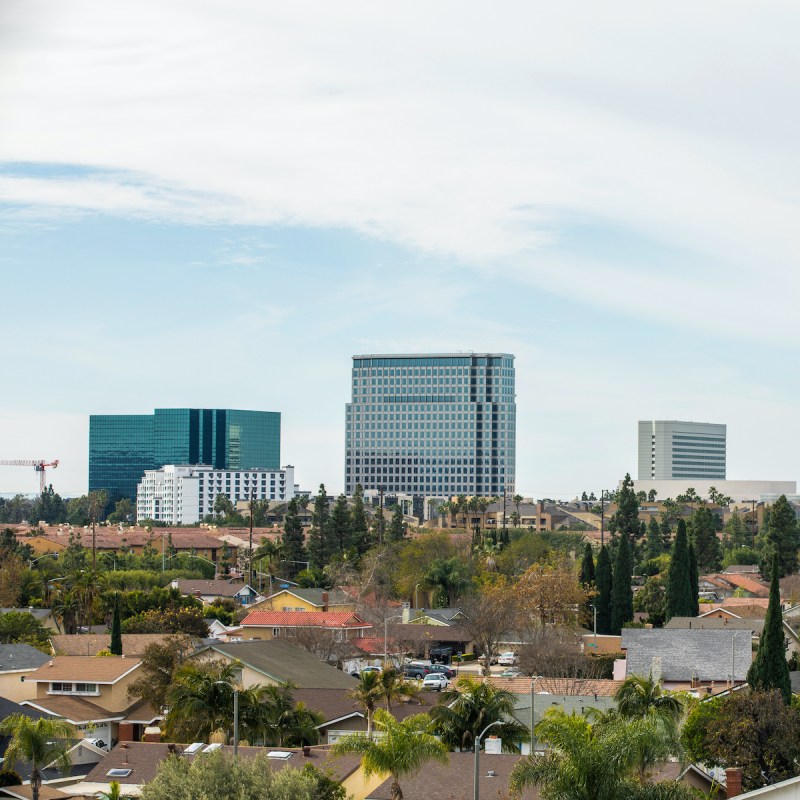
x,y
217,203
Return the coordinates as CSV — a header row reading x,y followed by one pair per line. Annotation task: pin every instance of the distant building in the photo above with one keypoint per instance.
x,y
431,426
738,491
183,495
123,446
670,450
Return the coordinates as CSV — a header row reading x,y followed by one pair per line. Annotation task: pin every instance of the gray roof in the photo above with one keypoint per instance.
x,y
445,615
21,656
752,624
285,663
687,654
38,613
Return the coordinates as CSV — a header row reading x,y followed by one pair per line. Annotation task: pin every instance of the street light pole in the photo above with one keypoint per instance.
x,y
476,792
386,637
594,609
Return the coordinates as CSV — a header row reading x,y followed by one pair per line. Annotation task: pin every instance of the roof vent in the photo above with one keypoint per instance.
x,y
491,774
283,755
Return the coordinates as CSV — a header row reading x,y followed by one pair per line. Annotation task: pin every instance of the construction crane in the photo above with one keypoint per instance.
x,y
40,465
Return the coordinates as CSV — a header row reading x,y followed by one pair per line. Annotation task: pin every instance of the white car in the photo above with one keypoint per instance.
x,y
435,680
507,659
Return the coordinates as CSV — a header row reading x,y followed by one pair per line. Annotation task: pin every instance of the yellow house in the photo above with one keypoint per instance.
x,y
297,599
16,662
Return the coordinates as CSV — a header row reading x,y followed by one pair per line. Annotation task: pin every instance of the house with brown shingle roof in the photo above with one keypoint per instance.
x,y
90,644
209,590
91,693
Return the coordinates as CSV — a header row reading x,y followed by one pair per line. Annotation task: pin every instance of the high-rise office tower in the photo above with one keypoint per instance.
x,y
123,446
669,450
432,425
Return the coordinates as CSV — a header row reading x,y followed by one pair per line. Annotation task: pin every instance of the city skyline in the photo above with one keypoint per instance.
x,y
219,210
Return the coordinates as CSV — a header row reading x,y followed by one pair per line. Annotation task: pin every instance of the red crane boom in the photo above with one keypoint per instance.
x,y
40,465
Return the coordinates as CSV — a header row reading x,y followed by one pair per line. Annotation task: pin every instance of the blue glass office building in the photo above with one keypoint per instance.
x,y
439,425
123,446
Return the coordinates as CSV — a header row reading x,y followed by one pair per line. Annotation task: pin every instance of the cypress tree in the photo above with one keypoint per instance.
x,y
587,566
706,544
679,591
339,529
319,545
397,525
654,543
694,581
626,518
604,581
359,523
770,671
622,591
116,629
782,536
293,539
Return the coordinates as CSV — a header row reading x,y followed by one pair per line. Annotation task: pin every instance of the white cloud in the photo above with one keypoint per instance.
x,y
449,129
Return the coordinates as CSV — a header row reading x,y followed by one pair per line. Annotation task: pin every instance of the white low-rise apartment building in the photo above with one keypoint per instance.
x,y
184,494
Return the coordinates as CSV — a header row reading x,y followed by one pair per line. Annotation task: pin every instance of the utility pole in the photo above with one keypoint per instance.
x,y
381,521
505,495
250,555
602,517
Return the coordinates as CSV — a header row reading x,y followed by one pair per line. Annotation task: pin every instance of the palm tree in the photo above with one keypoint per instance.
x,y
271,552
66,608
465,711
517,500
200,701
393,689
640,697
39,742
590,762
367,695
402,750
114,792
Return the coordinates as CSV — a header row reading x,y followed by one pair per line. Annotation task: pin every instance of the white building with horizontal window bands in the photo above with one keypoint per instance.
x,y
184,494
432,425
672,450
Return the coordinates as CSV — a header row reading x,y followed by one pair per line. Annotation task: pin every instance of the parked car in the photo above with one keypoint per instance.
x,y
507,659
436,681
510,672
443,669
492,660
416,673
357,673
442,653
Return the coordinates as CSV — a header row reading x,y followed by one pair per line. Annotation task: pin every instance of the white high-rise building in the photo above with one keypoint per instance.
x,y
673,450
184,494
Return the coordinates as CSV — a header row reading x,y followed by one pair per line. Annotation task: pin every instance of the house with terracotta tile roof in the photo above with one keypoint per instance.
x,y
266,625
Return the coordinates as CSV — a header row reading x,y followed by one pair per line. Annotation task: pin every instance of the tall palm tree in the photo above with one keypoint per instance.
x,y
639,697
393,689
66,608
465,711
39,742
517,500
367,695
588,761
271,552
402,750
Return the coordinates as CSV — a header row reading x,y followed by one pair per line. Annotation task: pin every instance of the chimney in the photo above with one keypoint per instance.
x,y
324,601
733,781
125,732
152,734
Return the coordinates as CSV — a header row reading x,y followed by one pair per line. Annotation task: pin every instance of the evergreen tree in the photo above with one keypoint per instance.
x,y
666,535
781,536
769,670
319,545
116,629
704,537
694,581
679,590
735,532
654,543
359,524
622,591
397,525
604,581
293,539
626,518
339,530
587,566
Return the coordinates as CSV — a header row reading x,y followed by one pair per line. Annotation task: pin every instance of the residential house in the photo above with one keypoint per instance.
x,y
454,779
736,608
295,598
726,585
17,661
90,644
43,615
700,660
90,693
277,662
134,764
208,591
750,625
419,639
267,625
433,616
343,716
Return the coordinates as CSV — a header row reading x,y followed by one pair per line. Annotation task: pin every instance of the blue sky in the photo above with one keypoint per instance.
x,y
222,208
